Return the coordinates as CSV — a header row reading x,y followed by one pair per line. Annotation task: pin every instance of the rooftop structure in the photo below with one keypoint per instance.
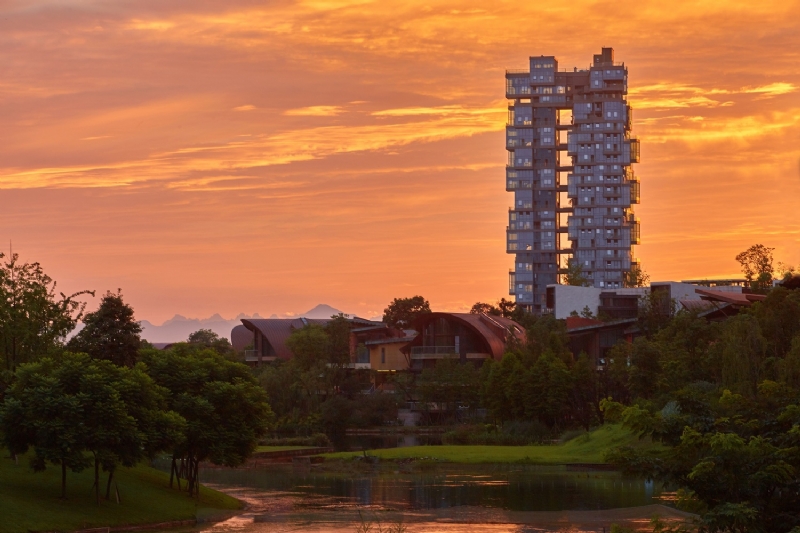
x,y
569,166
465,337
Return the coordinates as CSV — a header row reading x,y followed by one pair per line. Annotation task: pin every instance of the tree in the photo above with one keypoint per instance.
x,y
403,312
110,333
636,277
574,274
34,320
69,406
309,345
507,308
737,456
481,307
226,412
756,264
338,331
205,338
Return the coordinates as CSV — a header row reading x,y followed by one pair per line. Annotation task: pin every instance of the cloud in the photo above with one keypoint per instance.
x,y
667,95
247,107
315,111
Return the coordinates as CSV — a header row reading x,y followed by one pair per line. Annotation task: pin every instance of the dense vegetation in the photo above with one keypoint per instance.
x,y
104,402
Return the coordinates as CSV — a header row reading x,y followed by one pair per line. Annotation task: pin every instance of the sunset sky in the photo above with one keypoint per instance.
x,y
225,157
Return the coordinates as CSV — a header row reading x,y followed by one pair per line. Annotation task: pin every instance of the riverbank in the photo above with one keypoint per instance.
x,y
589,448
30,501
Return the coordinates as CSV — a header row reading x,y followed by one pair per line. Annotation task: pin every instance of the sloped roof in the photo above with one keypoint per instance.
x,y
792,282
495,330
736,298
277,330
241,337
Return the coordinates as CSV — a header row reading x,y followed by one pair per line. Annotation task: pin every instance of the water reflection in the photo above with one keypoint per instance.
x,y
512,488
436,497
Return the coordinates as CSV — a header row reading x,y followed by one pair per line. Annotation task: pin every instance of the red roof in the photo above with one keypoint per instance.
x,y
581,322
277,330
735,298
495,330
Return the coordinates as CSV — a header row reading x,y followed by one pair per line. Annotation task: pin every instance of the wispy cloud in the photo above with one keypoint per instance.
x,y
247,107
315,111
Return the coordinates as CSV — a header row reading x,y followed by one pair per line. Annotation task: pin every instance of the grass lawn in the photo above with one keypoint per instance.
x,y
284,448
31,501
588,448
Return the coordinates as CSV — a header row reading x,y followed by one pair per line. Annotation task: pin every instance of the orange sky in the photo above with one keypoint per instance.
x,y
264,157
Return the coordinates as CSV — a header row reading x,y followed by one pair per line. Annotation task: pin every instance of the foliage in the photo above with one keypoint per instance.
x,y
585,449
226,412
756,263
635,277
481,307
737,454
450,388
71,405
34,319
31,502
110,333
205,338
403,312
574,274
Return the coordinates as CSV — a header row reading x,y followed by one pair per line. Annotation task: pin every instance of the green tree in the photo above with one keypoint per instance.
x,y
574,274
338,331
72,405
309,345
110,333
507,308
41,411
756,263
481,307
737,456
402,312
34,319
205,338
225,409
585,406
450,385
636,277
547,390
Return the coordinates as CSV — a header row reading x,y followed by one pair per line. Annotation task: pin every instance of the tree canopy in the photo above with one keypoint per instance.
x,y
226,412
110,333
402,312
34,318
68,406
756,263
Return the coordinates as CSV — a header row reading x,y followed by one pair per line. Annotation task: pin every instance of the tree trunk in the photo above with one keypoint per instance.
x,y
108,485
172,469
63,479
96,479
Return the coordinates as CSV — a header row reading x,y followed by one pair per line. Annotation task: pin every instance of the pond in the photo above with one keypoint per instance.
x,y
434,497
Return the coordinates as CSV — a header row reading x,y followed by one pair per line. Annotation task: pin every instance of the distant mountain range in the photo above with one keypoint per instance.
x,y
178,328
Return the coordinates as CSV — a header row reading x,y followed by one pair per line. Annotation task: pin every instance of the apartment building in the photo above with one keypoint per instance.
x,y
569,166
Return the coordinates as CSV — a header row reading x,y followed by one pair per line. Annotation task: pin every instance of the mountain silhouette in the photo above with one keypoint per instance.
x,y
178,328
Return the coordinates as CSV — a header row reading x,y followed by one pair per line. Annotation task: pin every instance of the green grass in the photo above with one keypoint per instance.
x,y
587,448
283,448
31,501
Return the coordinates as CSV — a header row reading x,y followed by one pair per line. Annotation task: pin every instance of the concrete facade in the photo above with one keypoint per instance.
x,y
565,299
569,166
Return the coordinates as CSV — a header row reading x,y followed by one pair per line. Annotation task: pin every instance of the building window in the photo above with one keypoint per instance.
x,y
383,355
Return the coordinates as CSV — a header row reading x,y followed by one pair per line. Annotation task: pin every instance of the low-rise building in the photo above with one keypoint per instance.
x,y
462,336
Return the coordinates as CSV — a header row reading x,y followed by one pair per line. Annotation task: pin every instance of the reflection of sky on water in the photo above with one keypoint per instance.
x,y
508,487
450,498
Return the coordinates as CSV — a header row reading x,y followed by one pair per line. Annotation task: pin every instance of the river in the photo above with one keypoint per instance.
x,y
431,497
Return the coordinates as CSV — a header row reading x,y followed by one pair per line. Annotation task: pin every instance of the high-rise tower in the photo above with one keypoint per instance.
x,y
569,167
